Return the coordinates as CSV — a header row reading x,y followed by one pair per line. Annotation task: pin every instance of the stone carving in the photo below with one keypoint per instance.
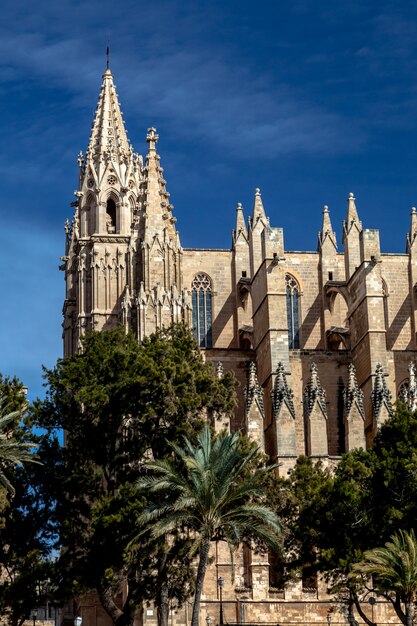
x,y
219,369
314,392
253,391
282,393
381,396
353,394
408,390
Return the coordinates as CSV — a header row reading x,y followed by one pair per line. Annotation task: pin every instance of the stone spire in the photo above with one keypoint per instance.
x,y
240,228
253,392
352,227
352,216
108,140
159,219
381,396
353,395
327,231
315,415
314,392
282,393
258,210
411,235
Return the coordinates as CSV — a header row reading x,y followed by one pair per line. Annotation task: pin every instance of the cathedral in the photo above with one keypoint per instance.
x,y
322,343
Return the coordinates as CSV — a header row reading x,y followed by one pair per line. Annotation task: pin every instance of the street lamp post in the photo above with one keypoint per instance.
x,y
78,620
372,602
220,582
34,616
328,619
208,620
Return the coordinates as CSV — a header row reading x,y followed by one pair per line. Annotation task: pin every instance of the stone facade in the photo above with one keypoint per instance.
x,y
322,343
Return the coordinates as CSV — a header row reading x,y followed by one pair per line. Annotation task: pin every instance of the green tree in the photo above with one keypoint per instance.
x,y
394,572
119,403
25,530
340,515
209,491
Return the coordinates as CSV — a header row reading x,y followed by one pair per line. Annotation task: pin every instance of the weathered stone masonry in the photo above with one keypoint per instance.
x,y
322,343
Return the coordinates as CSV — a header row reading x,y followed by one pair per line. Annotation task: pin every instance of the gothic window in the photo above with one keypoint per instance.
x,y
202,310
293,294
111,216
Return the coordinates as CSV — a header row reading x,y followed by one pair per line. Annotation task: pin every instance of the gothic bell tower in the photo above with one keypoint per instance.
x,y
122,260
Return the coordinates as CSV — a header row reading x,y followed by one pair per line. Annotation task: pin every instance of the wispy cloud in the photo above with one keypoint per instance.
x,y
198,93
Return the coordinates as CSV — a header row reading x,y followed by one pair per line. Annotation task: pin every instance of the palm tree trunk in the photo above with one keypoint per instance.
x,y
163,605
409,612
201,572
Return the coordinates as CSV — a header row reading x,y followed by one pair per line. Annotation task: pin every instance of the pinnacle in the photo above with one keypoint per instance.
x,y
240,221
158,206
326,229
258,207
108,140
352,213
413,226
412,233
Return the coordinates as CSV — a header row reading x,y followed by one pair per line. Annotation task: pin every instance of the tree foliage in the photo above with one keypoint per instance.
x,y
209,492
119,403
394,571
26,531
338,515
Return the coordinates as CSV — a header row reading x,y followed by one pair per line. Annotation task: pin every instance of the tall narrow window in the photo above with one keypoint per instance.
x,y
293,294
111,216
202,310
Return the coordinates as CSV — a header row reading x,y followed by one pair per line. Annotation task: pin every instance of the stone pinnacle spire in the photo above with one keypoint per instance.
x,y
411,235
352,213
108,140
240,228
258,207
159,218
326,229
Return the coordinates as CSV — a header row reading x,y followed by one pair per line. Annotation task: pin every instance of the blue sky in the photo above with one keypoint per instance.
x,y
307,100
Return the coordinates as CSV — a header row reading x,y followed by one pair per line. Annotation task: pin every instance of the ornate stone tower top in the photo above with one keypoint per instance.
x,y
108,140
123,255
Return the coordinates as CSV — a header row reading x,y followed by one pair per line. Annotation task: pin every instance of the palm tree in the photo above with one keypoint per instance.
x,y
210,491
12,451
394,571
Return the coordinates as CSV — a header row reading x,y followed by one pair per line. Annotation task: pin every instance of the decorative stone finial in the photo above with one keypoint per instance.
x,y
381,396
219,370
351,196
152,138
253,392
282,393
314,392
353,394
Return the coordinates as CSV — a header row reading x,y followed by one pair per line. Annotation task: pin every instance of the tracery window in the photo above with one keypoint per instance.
x,y
293,294
202,310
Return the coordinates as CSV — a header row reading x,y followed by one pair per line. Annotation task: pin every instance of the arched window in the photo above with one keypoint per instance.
x,y
111,216
293,294
202,310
